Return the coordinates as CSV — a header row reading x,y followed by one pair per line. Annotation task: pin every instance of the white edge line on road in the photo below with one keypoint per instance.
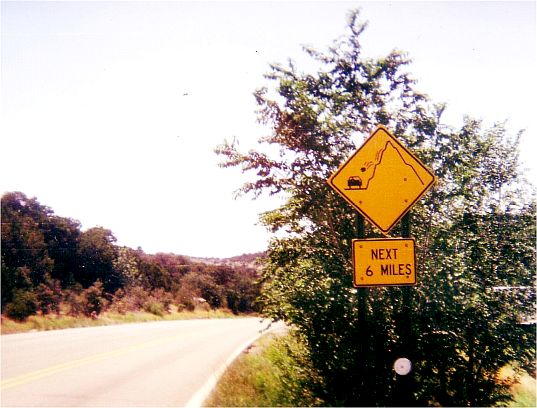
x,y
196,401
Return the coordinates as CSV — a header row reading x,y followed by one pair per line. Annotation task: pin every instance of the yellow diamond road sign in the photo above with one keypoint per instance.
x,y
382,179
384,262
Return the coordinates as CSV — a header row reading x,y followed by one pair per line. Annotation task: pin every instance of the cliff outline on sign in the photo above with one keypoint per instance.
x,y
355,182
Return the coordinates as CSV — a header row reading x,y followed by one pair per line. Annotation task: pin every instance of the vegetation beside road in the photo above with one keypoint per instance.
x,y
56,322
523,387
474,231
273,372
276,372
50,267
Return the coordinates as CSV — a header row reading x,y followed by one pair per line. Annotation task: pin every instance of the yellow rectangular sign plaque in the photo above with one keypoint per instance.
x,y
384,262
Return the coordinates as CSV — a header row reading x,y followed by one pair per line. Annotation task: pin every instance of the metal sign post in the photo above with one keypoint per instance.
x,y
404,382
382,180
363,330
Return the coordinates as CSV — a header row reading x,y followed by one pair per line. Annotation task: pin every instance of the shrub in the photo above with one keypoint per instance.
x,y
49,297
165,298
120,302
24,304
93,299
185,299
75,303
154,307
88,302
202,306
138,296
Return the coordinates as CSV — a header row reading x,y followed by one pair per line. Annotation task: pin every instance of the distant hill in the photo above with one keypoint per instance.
x,y
245,260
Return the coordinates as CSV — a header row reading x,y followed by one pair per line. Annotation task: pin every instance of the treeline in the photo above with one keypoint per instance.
x,y
49,265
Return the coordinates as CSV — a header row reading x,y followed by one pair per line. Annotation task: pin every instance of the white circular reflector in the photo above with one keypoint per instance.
x,y
402,366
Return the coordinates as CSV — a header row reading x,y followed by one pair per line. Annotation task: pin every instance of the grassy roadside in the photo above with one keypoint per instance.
x,y
55,322
523,389
269,374
272,372
524,392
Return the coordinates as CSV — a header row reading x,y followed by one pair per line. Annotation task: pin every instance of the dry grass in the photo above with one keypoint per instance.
x,y
266,375
55,322
252,380
523,388
259,379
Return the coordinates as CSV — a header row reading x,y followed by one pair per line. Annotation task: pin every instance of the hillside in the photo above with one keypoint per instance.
x,y
49,265
253,260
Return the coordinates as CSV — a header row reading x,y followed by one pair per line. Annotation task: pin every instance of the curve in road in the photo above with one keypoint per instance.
x,y
150,364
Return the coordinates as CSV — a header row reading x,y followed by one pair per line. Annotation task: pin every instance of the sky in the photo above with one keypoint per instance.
x,y
110,111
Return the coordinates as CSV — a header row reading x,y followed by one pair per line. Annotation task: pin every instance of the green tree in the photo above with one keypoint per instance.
x,y
62,237
36,245
174,264
97,253
202,285
23,305
25,259
126,265
240,287
154,275
474,233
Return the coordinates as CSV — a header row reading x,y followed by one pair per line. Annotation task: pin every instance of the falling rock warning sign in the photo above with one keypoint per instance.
x,y
384,262
382,179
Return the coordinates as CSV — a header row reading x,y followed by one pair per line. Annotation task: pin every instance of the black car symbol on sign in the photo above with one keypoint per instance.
x,y
354,183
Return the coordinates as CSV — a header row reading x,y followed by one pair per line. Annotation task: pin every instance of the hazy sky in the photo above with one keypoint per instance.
x,y
111,110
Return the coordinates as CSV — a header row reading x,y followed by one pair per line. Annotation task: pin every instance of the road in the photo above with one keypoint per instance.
x,y
135,365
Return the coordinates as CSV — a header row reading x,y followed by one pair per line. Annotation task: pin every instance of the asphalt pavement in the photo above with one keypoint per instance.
x,y
133,365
